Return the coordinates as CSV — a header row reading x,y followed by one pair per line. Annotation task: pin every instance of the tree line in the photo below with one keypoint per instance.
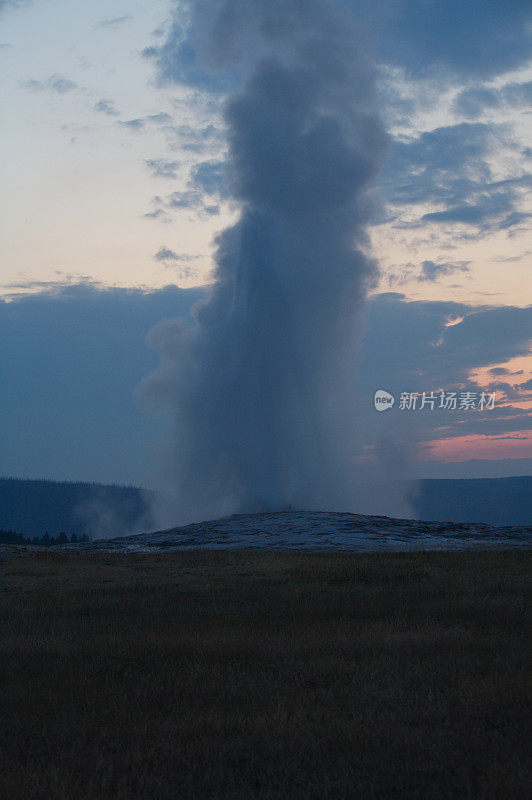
x,y
12,537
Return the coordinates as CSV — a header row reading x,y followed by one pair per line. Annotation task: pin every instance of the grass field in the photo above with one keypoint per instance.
x,y
260,675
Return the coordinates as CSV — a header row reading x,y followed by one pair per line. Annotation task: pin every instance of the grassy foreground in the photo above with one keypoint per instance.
x,y
260,675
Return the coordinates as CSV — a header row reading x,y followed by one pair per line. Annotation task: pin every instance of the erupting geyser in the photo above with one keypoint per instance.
x,y
261,386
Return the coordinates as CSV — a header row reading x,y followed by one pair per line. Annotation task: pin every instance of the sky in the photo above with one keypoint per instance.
x,y
114,188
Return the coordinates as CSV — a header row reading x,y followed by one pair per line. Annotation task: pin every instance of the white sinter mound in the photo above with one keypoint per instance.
x,y
321,530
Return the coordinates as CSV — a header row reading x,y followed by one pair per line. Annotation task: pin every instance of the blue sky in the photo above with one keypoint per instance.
x,y
115,187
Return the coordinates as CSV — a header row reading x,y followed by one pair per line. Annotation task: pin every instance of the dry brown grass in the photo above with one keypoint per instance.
x,y
244,675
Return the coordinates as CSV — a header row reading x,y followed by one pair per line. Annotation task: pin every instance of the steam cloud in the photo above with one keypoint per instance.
x,y
260,387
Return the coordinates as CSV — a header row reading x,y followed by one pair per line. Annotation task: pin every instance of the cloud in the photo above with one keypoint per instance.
x,y
162,167
441,164
158,214
180,263
106,107
205,188
55,83
452,39
449,169
469,214
473,101
397,275
210,177
197,139
162,118
186,199
177,62
510,259
191,199
136,124
415,343
430,271
165,254
5,5
139,123
114,22
494,206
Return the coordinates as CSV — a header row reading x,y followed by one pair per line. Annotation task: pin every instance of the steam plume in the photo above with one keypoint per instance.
x,y
260,387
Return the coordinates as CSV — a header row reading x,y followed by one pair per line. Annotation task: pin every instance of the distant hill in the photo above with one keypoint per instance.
x,y
36,507
496,501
